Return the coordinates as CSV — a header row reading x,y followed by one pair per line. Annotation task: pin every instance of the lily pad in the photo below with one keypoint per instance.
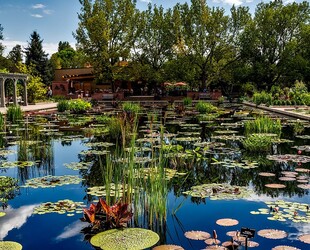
x,y
168,247
275,185
10,245
125,239
52,181
197,235
305,238
285,248
2,214
227,222
272,233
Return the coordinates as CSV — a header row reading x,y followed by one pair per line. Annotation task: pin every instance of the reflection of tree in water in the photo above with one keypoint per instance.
x,y
8,190
37,147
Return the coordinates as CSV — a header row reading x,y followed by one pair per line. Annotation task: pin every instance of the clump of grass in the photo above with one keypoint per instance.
x,y
14,113
130,107
1,122
187,101
257,143
263,124
63,105
205,107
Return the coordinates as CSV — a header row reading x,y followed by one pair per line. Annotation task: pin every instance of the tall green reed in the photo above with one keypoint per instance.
x,y
263,124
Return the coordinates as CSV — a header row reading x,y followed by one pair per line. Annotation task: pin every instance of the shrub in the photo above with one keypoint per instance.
x,y
79,106
262,98
130,107
1,122
205,107
187,101
263,124
14,113
257,143
63,105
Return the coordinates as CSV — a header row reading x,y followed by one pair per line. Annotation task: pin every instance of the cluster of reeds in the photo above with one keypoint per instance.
x,y
263,124
257,143
205,107
14,113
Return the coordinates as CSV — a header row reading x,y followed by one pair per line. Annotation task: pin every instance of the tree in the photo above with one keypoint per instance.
x,y
105,33
267,43
204,33
37,59
1,38
36,89
15,55
155,38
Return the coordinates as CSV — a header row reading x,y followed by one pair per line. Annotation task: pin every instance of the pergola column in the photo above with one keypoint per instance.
x,y
25,93
15,91
2,92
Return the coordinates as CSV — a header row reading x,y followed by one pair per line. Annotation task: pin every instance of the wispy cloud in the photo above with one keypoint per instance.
x,y
146,1
47,12
71,230
38,6
37,15
14,218
229,2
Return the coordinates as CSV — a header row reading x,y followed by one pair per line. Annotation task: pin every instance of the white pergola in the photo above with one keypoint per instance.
x,y
15,78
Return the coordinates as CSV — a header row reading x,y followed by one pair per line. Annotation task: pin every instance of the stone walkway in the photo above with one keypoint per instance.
x,y
35,107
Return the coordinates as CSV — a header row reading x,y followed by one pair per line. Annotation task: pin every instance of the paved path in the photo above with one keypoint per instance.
x,y
35,107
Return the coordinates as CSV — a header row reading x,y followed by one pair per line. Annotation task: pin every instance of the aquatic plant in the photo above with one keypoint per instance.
x,y
62,105
102,215
126,239
14,113
187,101
10,245
298,127
131,108
205,107
263,124
2,122
257,143
79,106
61,207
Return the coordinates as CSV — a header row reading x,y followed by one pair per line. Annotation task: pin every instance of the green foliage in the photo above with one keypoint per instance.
x,y
187,101
14,113
298,127
35,87
62,105
262,97
37,59
103,119
79,106
132,108
2,122
205,107
263,124
257,143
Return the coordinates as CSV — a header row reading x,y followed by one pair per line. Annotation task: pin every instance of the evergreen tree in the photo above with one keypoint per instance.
x,y
15,55
37,58
1,38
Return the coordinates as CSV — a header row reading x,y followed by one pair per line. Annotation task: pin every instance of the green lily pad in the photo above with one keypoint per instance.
x,y
126,239
10,245
2,214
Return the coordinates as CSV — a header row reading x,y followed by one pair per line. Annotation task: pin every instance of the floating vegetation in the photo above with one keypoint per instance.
x,y
250,244
94,152
112,190
282,247
227,222
125,239
99,144
52,181
289,157
24,142
272,234
10,245
305,148
304,186
187,139
78,165
275,185
305,238
244,164
2,214
5,152
61,207
136,160
20,164
225,132
228,137
305,137
138,149
212,241
168,247
197,235
266,174
218,191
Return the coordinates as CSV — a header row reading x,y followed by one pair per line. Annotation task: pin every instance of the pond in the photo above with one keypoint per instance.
x,y
214,183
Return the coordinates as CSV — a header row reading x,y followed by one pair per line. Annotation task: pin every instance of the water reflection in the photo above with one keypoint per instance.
x,y
14,219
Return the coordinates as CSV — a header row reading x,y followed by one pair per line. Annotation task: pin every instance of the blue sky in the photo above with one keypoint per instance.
x,y
56,20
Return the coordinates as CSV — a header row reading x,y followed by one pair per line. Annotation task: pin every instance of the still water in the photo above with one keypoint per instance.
x,y
184,213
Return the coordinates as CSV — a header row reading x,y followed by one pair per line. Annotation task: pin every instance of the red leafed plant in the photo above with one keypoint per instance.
x,y
103,215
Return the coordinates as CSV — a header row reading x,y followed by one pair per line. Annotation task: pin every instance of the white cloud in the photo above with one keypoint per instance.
x,y
14,218
38,6
49,48
47,12
146,1
71,230
36,15
229,2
